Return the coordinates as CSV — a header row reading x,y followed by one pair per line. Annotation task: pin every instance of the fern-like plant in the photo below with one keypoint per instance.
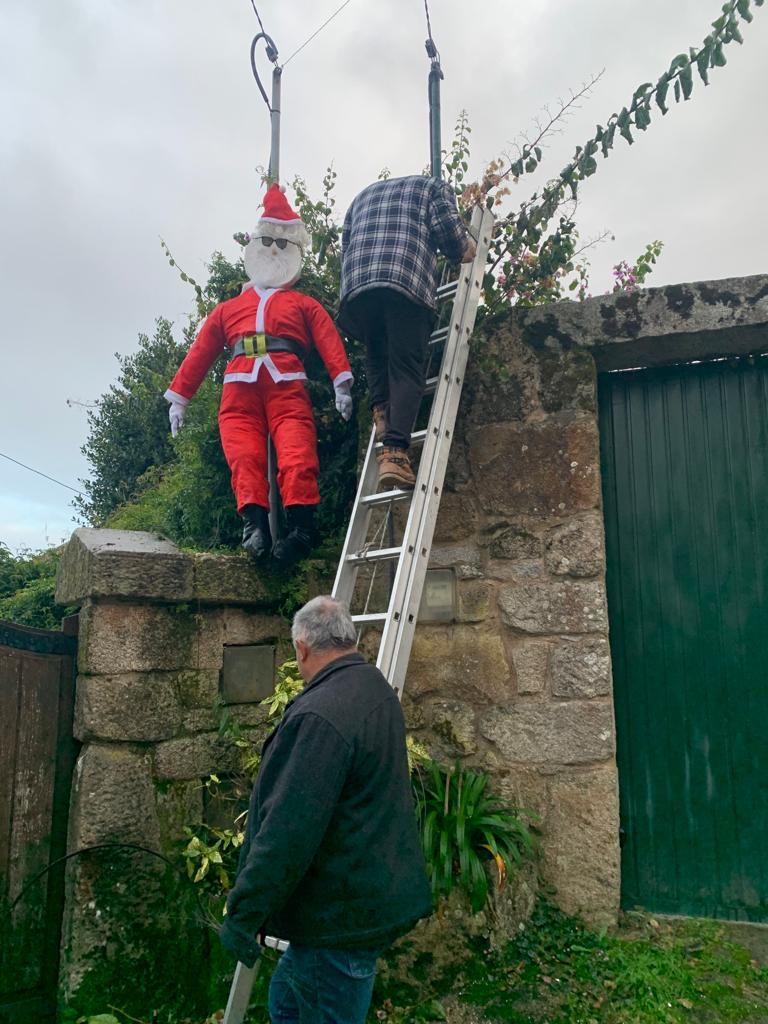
x,y
463,827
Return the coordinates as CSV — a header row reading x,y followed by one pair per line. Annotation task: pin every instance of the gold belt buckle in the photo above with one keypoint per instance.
x,y
255,345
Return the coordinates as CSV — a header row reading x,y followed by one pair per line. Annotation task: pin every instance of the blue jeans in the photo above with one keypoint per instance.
x,y
322,986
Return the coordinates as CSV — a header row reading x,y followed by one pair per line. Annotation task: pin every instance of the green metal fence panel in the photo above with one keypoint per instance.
x,y
685,487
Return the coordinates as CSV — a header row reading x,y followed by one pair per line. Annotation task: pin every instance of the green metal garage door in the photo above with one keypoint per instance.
x,y
685,482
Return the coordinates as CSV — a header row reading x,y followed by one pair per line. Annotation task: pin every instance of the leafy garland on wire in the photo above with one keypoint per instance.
x,y
523,230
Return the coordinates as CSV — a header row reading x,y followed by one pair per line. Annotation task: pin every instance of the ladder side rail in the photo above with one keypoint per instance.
x,y
357,530
434,440
406,597
346,573
421,491
403,639
240,993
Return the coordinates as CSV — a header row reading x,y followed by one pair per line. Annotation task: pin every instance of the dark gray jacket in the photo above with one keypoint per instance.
x,y
332,855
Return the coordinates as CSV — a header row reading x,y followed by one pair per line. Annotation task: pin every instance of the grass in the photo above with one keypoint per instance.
x,y
558,972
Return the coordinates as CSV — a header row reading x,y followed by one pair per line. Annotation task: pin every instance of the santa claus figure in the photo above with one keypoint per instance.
x,y
268,331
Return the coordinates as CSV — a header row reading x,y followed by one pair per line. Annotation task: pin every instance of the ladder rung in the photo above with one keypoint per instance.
x,y
375,555
417,437
384,497
439,336
430,385
448,290
369,618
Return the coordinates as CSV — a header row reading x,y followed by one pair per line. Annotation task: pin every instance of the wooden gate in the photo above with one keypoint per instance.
x,y
37,755
685,482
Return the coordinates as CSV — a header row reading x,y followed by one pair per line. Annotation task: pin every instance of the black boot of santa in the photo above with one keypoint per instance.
x,y
257,540
297,543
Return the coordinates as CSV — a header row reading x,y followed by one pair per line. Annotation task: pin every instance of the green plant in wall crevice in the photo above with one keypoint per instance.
x,y
464,825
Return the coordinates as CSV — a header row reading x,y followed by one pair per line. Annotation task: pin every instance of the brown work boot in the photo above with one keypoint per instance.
x,y
380,421
395,469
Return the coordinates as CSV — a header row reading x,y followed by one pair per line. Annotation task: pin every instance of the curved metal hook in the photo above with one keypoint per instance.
x,y
271,54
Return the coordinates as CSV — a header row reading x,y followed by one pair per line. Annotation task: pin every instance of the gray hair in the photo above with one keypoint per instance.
x,y
324,624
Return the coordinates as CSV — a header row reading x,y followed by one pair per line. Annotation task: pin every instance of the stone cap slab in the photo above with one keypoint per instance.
x,y
696,320
227,579
122,563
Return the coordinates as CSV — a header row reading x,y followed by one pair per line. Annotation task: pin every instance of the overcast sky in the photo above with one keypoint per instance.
x,y
123,122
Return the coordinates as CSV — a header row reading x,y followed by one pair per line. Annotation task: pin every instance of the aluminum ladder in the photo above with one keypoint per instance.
x,y
409,557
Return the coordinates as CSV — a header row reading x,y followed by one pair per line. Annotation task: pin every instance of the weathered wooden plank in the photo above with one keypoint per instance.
x,y
32,808
66,754
10,683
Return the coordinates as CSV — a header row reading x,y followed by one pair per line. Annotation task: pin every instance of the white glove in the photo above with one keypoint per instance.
x,y
343,399
176,416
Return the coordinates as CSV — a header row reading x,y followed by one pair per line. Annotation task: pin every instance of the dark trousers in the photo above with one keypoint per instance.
x,y
322,986
396,335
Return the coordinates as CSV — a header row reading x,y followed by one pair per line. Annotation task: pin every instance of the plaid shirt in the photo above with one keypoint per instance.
x,y
391,235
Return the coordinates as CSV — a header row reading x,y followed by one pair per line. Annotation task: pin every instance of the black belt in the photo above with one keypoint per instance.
x,y
259,344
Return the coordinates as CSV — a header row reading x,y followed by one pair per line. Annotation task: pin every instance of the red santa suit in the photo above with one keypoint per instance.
x,y
265,394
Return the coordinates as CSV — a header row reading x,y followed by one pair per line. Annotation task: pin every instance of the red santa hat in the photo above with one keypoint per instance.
x,y
280,220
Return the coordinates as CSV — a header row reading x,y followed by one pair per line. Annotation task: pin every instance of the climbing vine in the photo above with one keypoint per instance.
x,y
523,231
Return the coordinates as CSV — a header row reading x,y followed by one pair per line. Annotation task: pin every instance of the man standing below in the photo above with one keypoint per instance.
x,y
332,859
392,233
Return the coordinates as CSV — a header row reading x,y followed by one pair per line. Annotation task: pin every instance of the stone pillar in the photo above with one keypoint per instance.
x,y
154,624
520,684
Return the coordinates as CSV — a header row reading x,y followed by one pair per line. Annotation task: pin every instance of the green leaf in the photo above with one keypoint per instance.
x,y
537,151
702,63
624,122
433,1010
530,165
742,6
662,87
589,166
642,117
680,61
686,81
607,140
718,58
105,1018
678,91
640,92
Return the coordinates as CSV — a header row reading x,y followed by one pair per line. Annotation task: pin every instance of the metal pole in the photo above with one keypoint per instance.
x,y
274,152
435,140
435,77
274,176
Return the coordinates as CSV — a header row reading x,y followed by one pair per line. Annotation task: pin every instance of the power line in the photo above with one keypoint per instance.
x,y
317,33
429,24
39,473
261,25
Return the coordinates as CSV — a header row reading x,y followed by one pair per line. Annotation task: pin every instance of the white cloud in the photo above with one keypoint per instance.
x,y
123,122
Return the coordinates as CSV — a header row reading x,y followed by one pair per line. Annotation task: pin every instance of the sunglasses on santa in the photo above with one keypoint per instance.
x,y
281,243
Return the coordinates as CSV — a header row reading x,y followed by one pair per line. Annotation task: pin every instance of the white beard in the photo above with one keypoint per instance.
x,y
272,267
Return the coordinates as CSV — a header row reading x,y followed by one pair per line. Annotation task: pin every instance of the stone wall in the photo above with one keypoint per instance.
x,y
155,624
521,683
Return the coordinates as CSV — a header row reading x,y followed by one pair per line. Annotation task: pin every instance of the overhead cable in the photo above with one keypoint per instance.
x,y
429,23
255,11
317,33
430,45
40,473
